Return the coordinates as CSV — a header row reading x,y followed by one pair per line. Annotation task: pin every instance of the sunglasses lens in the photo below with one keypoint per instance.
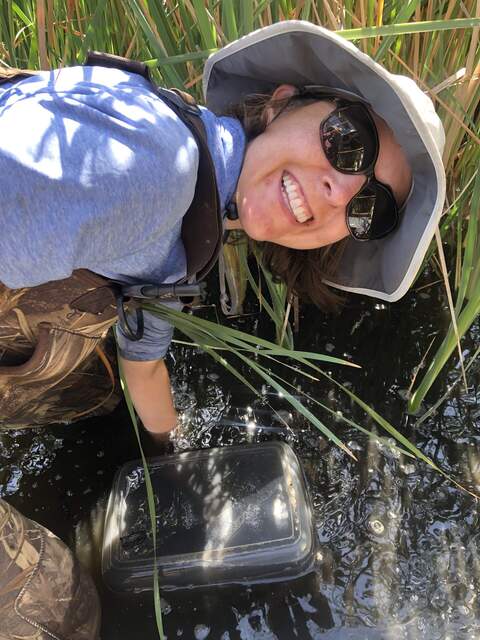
x,y
349,139
372,213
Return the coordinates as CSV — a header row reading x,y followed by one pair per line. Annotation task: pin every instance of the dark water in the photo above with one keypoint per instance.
x,y
399,544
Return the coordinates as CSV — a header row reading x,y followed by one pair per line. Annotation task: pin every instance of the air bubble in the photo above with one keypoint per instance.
x,y
376,526
201,631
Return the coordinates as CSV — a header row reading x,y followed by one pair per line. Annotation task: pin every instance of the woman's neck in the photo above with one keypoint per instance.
x,y
230,225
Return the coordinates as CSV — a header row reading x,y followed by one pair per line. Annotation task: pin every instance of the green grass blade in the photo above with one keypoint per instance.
x,y
229,20
432,410
296,404
337,415
180,58
158,48
205,26
399,436
217,331
278,295
406,12
246,16
378,418
409,27
151,507
253,283
92,30
470,273
465,320
307,7
159,14
23,17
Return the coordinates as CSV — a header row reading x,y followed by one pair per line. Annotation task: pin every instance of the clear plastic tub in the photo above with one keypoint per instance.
x,y
237,514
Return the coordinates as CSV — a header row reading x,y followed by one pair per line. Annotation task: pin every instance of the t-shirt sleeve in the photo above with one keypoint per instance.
x,y
157,336
100,182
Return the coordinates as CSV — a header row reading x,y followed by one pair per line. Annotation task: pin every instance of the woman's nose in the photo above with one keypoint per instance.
x,y
339,188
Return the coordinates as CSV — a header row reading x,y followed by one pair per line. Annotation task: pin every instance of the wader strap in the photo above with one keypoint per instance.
x,y
8,75
202,226
117,62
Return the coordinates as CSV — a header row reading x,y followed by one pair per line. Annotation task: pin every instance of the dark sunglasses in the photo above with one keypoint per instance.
x,y
350,142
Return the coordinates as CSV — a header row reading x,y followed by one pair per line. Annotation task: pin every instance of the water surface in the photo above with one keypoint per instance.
x,y
399,544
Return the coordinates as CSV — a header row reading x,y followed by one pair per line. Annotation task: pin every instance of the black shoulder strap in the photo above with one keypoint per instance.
x,y
202,227
96,58
202,224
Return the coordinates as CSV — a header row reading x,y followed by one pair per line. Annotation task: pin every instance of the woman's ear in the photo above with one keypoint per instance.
x,y
282,92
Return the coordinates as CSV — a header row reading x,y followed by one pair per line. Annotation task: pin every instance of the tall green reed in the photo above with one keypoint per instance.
x,y
430,40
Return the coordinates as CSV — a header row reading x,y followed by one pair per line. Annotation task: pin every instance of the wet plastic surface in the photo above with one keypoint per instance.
x,y
224,515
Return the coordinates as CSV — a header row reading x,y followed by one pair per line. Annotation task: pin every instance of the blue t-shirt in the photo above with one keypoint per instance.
x,y
96,172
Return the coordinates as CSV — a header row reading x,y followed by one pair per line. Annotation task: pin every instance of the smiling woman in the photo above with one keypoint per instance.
x,y
124,181
290,193
120,182
402,140
289,137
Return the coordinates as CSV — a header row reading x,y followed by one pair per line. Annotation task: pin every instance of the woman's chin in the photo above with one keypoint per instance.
x,y
257,226
257,233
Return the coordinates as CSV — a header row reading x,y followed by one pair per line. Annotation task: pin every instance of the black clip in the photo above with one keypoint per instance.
x,y
164,291
231,211
123,321
153,293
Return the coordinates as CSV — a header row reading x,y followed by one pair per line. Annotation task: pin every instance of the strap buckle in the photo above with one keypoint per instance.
x,y
164,291
132,334
154,293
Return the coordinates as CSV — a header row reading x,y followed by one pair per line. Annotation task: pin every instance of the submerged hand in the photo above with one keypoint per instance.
x,y
156,444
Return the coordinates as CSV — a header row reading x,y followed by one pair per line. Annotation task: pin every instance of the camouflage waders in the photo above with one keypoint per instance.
x,y
55,363
44,592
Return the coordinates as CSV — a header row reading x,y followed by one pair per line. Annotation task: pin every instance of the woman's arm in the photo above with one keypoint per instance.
x,y
149,386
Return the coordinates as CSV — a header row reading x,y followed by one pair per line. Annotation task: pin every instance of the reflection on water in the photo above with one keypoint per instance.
x,y
399,545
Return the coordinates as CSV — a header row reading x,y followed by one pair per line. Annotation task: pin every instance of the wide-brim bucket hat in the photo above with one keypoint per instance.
x,y
301,53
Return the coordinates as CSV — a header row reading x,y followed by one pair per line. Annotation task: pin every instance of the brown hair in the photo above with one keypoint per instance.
x,y
303,271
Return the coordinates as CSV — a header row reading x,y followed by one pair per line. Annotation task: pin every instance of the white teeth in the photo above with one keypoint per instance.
x,y
295,199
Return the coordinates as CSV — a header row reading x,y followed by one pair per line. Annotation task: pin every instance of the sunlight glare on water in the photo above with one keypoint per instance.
x,y
399,544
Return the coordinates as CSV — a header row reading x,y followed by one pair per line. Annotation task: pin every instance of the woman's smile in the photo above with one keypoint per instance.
x,y
294,198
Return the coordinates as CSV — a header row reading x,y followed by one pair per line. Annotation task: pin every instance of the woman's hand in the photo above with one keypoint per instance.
x,y
149,386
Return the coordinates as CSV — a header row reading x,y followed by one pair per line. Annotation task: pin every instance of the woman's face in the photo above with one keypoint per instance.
x,y
289,153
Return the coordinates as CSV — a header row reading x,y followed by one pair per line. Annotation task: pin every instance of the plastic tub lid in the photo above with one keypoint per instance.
x,y
238,514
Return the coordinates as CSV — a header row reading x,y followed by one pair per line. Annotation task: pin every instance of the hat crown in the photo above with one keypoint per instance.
x,y
296,69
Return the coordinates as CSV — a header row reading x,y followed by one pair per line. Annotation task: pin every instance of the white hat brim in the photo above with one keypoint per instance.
x,y
301,53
